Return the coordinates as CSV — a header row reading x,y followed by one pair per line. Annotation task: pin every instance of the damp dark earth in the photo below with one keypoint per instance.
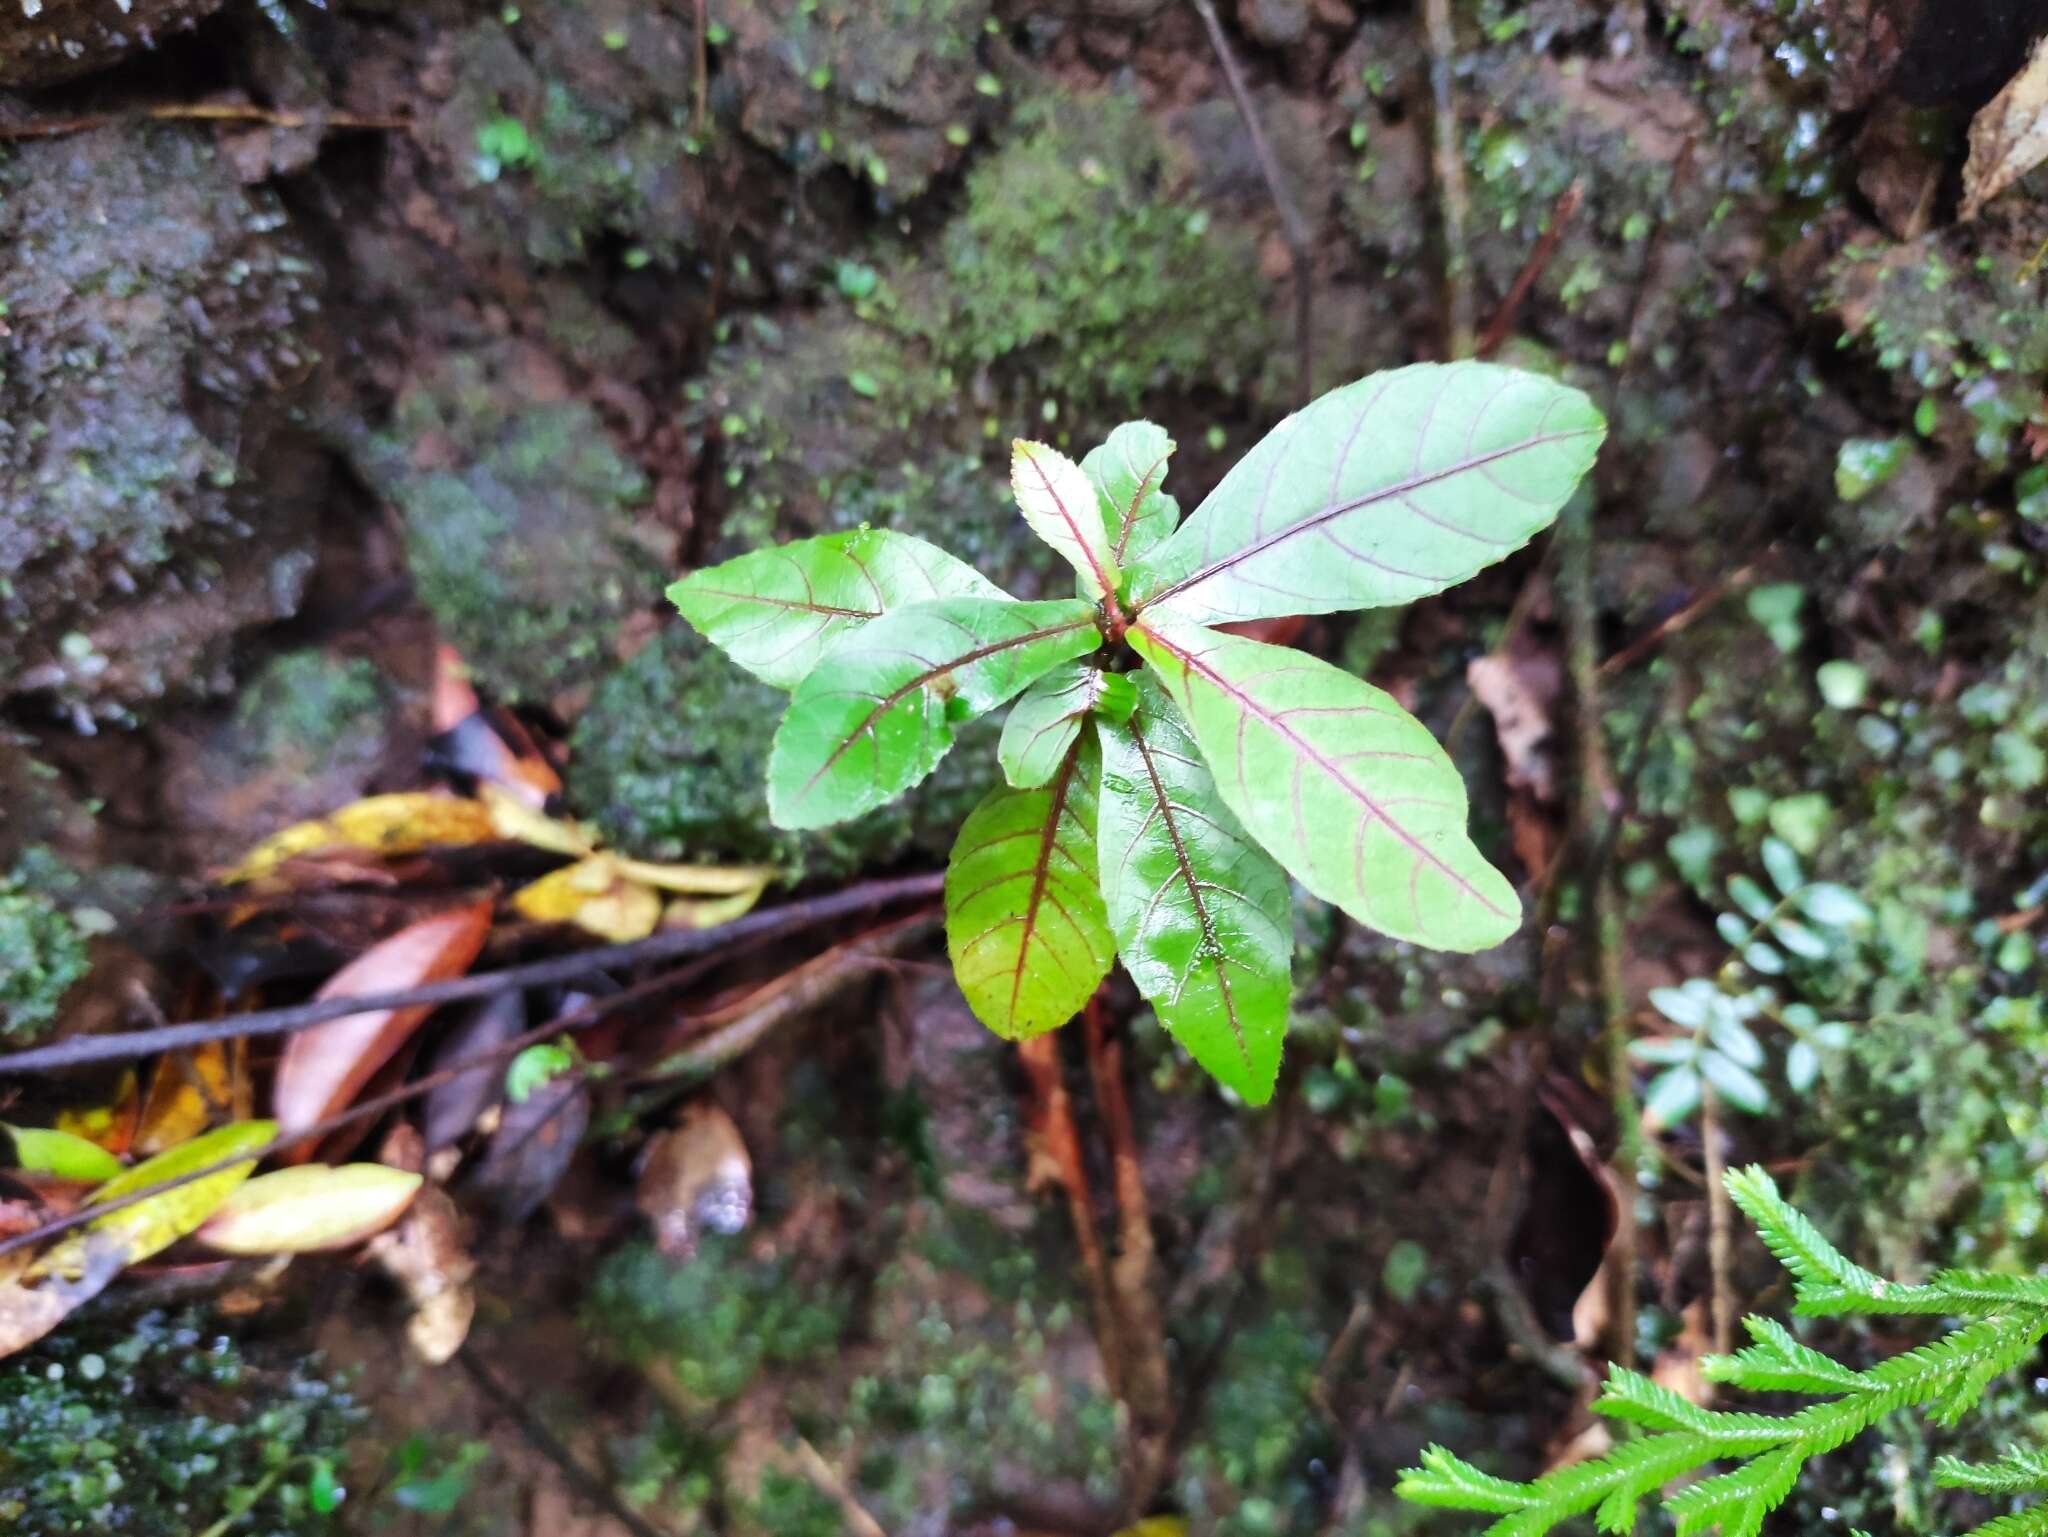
x,y
1116,769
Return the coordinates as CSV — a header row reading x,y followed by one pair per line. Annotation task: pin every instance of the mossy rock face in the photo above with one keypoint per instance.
x,y
570,122
671,758
519,516
42,951
159,1426
154,496
45,41
892,92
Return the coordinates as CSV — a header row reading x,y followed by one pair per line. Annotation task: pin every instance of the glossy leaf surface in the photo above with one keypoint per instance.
x,y
1347,789
878,712
777,611
1046,720
1201,914
313,1207
59,1154
1378,493
155,1223
1128,471
1025,923
1058,502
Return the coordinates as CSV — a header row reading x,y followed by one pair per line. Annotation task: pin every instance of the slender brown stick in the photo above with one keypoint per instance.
x,y
1598,827
1720,1223
1561,214
588,1484
1294,229
1051,1118
1449,163
1705,603
671,945
205,112
1133,1275
815,981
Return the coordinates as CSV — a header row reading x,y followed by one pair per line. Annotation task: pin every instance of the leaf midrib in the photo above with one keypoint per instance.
x,y
1104,587
1129,522
1190,662
1212,949
896,696
1041,869
1339,509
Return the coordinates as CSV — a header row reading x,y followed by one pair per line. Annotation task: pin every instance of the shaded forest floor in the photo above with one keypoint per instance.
x,y
465,326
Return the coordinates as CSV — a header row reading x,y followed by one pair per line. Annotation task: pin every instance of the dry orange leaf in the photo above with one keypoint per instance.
x,y
187,1090
324,1068
112,1125
381,824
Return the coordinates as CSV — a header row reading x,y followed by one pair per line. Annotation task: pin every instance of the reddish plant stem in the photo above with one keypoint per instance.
x,y
1147,1379
1057,1140
1503,321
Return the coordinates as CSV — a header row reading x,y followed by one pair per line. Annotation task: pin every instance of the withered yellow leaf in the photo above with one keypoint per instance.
x,y
381,824
2009,135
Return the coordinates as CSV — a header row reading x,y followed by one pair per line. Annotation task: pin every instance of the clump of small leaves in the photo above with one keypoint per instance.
x,y
42,953
1165,777
2002,1320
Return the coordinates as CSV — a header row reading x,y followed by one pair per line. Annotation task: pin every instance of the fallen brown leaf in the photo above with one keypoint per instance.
x,y
2009,136
324,1068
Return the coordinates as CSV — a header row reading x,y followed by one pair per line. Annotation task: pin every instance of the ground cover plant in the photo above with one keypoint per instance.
x,y
2002,1321
1166,778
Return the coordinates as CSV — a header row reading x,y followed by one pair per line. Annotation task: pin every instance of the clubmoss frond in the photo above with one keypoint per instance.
x,y
2003,1321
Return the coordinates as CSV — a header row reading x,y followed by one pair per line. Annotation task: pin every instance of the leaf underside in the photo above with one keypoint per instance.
x,y
1347,789
877,713
1045,721
1059,504
1202,914
1381,492
1025,923
777,611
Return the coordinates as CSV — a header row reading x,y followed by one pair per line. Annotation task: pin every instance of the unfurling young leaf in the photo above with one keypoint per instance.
x,y
777,611
1025,923
1381,492
1128,471
1058,502
1048,715
1202,914
1349,791
878,712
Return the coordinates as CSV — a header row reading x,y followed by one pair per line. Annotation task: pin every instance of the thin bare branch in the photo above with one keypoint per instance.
x,y
671,945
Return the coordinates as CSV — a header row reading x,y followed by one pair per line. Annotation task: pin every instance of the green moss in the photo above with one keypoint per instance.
x,y
1259,1433
305,704
42,954
521,537
716,1322
1075,267
161,1426
788,1506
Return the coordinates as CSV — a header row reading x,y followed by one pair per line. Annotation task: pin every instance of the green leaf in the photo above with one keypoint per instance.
x,y
1202,914
1058,501
777,611
877,713
1045,721
1349,791
1025,922
1128,471
1384,491
155,1223
1673,1095
535,1068
60,1155
1735,1083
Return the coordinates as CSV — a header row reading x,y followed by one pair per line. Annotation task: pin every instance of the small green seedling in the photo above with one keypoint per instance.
x,y
1165,777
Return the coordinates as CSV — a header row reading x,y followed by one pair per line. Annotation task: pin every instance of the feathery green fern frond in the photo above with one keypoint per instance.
x,y
1759,1456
